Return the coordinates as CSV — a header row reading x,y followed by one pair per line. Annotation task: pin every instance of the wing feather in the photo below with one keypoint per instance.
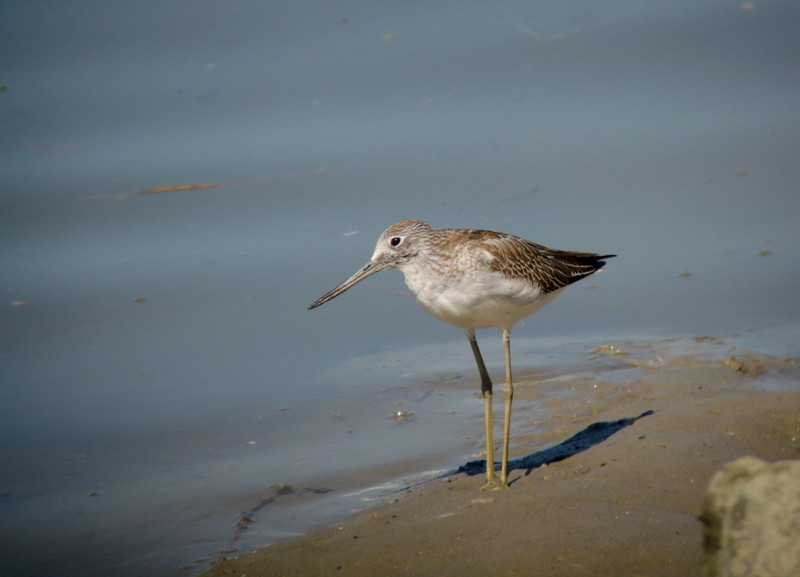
x,y
549,268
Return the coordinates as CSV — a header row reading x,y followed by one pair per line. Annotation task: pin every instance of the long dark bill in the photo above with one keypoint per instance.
x,y
367,270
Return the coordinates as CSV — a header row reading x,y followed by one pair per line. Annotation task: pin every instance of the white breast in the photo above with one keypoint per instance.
x,y
474,297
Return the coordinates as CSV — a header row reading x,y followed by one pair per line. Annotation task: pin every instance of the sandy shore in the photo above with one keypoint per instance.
x,y
625,502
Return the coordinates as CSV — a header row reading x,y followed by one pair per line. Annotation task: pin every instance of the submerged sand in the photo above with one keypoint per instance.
x,y
626,502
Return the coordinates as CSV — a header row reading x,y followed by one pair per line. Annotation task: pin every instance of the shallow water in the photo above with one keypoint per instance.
x,y
159,370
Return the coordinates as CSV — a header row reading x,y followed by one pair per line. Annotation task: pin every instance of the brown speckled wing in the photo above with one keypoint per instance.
x,y
549,268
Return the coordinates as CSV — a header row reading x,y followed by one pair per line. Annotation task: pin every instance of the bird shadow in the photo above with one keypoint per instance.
x,y
592,435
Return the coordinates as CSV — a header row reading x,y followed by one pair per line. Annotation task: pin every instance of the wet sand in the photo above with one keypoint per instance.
x,y
626,502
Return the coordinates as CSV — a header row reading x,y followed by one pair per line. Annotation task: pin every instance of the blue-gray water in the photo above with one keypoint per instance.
x,y
159,369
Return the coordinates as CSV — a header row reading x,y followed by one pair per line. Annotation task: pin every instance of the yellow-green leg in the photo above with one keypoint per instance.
x,y
508,396
486,390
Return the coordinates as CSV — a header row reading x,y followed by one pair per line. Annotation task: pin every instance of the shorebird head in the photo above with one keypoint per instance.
x,y
400,243
396,246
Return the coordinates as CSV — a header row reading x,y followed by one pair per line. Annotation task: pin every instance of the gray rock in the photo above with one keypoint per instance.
x,y
752,520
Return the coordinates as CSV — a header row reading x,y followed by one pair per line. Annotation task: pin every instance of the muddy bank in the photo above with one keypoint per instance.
x,y
624,504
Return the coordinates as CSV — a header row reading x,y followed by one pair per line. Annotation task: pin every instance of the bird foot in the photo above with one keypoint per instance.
x,y
494,484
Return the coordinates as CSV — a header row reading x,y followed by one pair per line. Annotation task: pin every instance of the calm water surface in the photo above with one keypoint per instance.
x,y
160,372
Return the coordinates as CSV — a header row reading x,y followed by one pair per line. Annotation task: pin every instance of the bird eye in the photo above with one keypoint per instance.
x,y
395,241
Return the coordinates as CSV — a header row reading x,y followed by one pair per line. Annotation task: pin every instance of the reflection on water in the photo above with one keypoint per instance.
x,y
160,371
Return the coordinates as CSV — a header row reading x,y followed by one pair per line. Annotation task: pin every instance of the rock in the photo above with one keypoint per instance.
x,y
752,520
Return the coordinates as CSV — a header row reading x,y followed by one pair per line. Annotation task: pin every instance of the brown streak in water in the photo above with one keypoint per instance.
x,y
182,187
